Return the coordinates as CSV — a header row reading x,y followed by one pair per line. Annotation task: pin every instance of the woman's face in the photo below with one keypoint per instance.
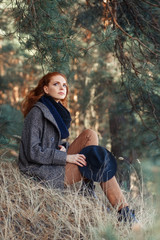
x,y
57,88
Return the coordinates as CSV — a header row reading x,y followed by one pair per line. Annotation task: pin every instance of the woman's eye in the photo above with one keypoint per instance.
x,y
64,85
55,84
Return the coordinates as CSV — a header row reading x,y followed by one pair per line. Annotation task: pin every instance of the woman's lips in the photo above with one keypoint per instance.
x,y
61,93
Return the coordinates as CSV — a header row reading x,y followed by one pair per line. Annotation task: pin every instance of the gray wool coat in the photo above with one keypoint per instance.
x,y
39,155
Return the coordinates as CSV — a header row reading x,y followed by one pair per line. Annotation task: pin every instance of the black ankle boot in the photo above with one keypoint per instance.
x,y
88,188
127,215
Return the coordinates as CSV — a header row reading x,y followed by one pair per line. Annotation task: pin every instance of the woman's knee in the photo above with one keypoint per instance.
x,y
90,132
92,135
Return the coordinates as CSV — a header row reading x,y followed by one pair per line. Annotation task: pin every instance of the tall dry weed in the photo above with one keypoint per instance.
x,y
29,211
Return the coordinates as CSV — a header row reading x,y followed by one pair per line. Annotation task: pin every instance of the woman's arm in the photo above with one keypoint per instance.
x,y
31,141
78,159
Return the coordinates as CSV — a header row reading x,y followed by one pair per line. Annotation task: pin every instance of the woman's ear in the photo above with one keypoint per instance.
x,y
45,88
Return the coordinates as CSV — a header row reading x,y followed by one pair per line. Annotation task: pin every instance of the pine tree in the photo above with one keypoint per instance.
x,y
16,76
74,37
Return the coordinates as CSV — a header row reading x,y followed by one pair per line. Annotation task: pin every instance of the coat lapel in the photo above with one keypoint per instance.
x,y
47,114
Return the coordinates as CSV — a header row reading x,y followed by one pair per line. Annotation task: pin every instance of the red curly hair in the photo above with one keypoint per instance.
x,y
35,94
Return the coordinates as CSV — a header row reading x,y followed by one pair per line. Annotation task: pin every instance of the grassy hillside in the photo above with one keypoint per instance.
x,y
30,211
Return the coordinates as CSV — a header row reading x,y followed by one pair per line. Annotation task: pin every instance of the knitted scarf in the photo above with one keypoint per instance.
x,y
60,114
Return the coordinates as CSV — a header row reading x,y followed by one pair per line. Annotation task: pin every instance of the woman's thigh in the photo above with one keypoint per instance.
x,y
86,138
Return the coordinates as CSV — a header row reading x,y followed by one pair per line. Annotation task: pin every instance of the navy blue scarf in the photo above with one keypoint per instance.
x,y
60,114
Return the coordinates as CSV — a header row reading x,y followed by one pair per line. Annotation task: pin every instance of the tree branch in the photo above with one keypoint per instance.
x,y
128,35
151,4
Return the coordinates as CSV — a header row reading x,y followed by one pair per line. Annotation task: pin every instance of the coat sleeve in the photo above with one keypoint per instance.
x,y
31,141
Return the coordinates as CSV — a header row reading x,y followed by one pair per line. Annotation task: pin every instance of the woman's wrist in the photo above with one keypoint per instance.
x,y
78,159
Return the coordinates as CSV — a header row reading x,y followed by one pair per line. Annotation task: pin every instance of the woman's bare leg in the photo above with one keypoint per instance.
x,y
114,194
86,138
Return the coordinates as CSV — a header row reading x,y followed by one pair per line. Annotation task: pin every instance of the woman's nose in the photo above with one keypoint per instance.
x,y
61,87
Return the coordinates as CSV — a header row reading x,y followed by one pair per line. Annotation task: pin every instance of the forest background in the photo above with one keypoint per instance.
x,y
109,51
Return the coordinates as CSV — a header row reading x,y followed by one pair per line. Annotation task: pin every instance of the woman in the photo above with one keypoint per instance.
x,y
44,155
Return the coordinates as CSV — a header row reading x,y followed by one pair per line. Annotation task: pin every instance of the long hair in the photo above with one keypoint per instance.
x,y
35,94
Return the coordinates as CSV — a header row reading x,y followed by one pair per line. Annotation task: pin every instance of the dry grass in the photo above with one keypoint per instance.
x,y
30,211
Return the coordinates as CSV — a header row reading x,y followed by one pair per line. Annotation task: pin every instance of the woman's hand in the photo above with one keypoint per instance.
x,y
78,159
62,148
